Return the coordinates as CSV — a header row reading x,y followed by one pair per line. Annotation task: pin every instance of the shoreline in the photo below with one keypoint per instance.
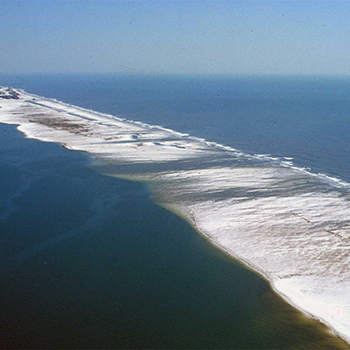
x,y
269,279
189,215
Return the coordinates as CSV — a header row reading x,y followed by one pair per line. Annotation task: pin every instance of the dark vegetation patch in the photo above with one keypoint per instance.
x,y
60,124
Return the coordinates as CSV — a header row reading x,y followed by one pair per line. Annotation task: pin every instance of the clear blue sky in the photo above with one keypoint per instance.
x,y
225,37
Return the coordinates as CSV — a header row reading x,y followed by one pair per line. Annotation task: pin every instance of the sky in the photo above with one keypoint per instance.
x,y
308,37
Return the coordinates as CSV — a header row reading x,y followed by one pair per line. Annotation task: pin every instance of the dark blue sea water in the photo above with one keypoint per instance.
x,y
88,261
306,118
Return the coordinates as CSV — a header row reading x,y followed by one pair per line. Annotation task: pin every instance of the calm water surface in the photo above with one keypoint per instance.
x,y
88,261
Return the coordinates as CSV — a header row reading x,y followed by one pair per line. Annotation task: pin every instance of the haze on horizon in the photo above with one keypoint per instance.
x,y
176,37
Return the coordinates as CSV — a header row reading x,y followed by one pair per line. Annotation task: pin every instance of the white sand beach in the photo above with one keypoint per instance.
x,y
289,225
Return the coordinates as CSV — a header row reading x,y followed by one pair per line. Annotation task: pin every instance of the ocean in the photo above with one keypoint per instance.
x,y
301,117
91,261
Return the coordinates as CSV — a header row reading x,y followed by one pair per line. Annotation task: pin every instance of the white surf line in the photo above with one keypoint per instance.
x,y
282,161
295,234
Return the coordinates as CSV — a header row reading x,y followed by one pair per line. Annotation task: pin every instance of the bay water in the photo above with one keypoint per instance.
x,y
89,261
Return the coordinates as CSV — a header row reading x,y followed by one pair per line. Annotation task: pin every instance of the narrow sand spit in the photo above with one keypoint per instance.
x,y
291,226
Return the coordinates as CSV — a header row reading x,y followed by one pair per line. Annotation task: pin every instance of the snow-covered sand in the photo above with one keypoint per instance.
x,y
291,226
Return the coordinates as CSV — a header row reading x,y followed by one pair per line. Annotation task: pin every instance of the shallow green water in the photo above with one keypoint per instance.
x,y
88,261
